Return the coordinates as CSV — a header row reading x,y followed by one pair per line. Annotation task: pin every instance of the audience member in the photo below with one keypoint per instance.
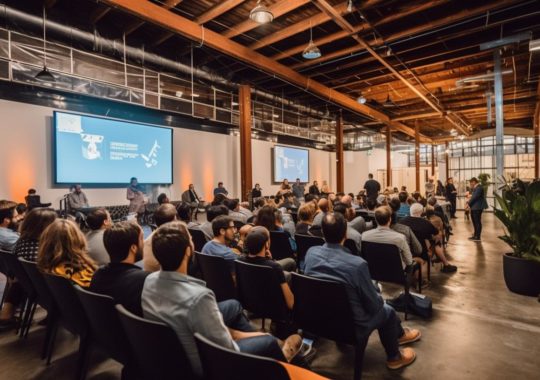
x,y
220,189
212,213
8,220
372,187
324,207
234,210
224,233
412,241
163,198
270,218
430,187
305,226
371,205
332,262
98,221
37,220
183,211
63,252
404,208
163,214
357,222
352,234
218,199
121,279
188,307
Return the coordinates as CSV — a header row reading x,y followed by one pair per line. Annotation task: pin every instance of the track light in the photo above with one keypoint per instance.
x,y
311,51
261,14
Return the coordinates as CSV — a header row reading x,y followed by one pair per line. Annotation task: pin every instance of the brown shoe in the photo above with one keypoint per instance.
x,y
407,357
410,335
292,346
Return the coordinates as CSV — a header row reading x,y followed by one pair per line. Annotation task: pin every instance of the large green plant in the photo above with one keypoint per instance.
x,y
484,179
519,211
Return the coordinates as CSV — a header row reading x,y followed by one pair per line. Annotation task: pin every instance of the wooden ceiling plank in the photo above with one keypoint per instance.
x,y
189,29
168,4
278,9
99,13
217,10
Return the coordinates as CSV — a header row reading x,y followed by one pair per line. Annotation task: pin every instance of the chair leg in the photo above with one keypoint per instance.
x,y
52,339
30,319
22,315
359,359
420,278
82,361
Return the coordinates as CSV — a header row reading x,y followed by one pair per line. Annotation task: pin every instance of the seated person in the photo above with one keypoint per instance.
x,y
257,245
234,210
412,241
425,232
163,214
266,217
243,208
224,236
63,252
332,262
8,220
385,235
31,229
305,226
188,307
352,234
163,198
98,220
220,189
257,204
371,205
77,199
358,223
192,198
184,214
211,213
121,279
324,207
33,200
404,208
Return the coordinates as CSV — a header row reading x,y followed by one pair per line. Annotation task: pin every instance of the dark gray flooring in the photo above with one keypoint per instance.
x,y
479,329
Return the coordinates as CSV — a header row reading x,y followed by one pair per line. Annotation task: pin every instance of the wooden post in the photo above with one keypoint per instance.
x,y
447,160
388,156
339,154
417,154
246,175
432,159
536,122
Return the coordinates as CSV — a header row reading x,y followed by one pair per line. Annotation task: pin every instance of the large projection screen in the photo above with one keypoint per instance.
x,y
290,163
100,151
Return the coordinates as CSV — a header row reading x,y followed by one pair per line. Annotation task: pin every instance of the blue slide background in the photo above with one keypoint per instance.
x,y
73,167
297,164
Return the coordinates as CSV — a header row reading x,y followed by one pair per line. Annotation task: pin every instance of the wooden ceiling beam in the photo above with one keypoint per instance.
x,y
217,10
175,23
167,4
100,12
278,9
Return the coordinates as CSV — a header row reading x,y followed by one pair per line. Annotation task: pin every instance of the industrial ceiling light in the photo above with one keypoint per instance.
x,y
261,14
361,99
45,75
350,6
311,51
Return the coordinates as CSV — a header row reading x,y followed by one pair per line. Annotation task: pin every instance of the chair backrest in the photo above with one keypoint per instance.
x,y
280,245
14,266
70,308
217,275
259,291
351,246
45,297
156,348
198,239
105,325
305,242
384,262
220,363
322,307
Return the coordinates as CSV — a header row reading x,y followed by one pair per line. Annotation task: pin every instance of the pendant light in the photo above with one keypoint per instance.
x,y
261,14
45,75
311,51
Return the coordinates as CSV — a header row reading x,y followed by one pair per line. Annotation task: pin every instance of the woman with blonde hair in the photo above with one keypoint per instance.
x,y
63,251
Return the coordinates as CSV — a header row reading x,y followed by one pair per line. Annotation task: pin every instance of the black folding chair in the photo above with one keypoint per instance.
x,y
305,242
106,329
220,363
322,308
217,275
156,348
351,246
260,293
72,316
385,265
280,245
199,240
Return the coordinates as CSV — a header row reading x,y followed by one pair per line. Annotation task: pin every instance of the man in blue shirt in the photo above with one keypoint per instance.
x,y
404,208
332,261
220,189
224,231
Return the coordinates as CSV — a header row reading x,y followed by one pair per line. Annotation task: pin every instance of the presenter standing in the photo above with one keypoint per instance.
x,y
136,197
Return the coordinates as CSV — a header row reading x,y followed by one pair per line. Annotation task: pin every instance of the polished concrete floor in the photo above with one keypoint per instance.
x,y
479,329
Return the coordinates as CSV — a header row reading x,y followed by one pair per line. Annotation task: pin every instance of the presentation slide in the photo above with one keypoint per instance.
x,y
94,150
291,163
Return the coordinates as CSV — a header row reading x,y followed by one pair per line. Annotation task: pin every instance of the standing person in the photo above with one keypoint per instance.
x,y
314,189
477,204
430,188
451,195
135,195
220,189
372,187
298,189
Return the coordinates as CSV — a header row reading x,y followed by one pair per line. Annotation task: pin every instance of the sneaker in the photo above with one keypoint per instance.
x,y
291,347
407,357
476,239
449,268
409,336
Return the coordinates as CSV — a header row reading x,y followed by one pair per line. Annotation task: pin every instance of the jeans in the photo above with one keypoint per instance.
x,y
387,322
452,201
476,216
233,316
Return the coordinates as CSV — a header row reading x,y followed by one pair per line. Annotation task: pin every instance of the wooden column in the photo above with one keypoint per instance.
x,y
246,171
432,159
446,159
537,136
388,156
339,154
417,155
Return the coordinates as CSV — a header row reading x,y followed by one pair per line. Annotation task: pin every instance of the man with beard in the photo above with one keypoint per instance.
x,y
8,221
121,279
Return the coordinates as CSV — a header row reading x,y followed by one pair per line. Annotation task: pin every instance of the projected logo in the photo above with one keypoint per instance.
x,y
288,163
151,158
91,151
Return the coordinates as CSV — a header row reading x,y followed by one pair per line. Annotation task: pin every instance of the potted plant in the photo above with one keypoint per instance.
x,y
519,212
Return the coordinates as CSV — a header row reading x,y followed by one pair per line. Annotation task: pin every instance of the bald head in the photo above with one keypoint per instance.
x,y
347,200
323,205
164,214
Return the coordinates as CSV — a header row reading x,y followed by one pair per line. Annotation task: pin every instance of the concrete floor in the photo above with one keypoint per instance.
x,y
479,329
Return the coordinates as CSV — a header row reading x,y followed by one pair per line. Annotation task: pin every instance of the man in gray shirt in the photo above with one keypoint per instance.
x,y
188,307
77,199
352,234
383,234
98,220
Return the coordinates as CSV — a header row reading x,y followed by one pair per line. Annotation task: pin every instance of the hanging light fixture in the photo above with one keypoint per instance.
x,y
361,99
261,14
311,51
45,75
350,6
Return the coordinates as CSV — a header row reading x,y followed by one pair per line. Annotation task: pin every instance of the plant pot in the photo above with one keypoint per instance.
x,y
522,276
